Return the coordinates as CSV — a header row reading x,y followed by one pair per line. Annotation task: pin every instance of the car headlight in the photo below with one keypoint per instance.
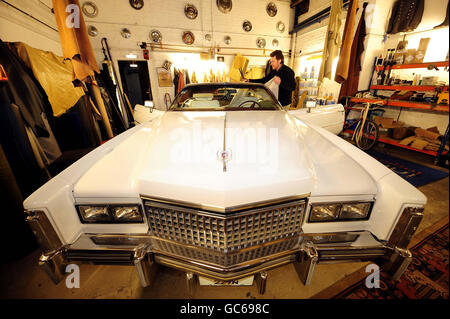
x,y
339,212
127,213
107,214
93,214
324,212
354,211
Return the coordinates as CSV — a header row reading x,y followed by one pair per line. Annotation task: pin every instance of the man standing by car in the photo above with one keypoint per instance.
x,y
282,75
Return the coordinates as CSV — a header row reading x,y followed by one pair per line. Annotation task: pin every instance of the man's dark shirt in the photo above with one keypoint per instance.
x,y
287,85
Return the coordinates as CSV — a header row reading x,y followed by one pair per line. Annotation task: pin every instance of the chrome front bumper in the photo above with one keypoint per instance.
x,y
313,249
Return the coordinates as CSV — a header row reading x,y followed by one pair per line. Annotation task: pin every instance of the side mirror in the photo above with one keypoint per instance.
x,y
150,105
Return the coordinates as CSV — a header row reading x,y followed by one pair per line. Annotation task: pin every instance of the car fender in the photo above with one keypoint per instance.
x,y
393,192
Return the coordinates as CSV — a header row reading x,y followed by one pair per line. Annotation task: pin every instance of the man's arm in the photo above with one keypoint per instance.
x,y
287,79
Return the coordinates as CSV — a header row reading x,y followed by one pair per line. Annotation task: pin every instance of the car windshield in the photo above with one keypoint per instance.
x,y
225,97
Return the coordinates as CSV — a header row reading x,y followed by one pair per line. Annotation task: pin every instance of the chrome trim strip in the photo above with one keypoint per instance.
x,y
261,281
145,266
406,227
221,268
306,262
189,267
191,283
352,235
304,257
398,262
43,230
243,250
54,265
231,209
405,257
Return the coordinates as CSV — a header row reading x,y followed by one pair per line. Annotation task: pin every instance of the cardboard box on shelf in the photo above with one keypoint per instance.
x,y
424,139
433,129
421,50
419,144
399,133
416,142
386,122
430,80
420,132
400,52
408,140
410,56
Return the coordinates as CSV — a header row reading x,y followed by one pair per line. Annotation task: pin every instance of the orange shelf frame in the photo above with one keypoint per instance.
x,y
420,88
363,100
412,105
407,104
417,65
441,108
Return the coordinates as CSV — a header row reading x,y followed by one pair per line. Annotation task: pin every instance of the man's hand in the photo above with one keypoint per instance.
x,y
245,80
277,80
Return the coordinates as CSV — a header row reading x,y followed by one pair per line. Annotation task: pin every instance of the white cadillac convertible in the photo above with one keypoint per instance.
x,y
224,186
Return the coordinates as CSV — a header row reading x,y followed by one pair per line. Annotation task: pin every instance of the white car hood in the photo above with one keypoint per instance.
x,y
176,157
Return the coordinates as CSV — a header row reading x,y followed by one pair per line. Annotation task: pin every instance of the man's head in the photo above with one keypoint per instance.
x,y
276,59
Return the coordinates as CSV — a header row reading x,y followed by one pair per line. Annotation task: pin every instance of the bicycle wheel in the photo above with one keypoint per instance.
x,y
369,135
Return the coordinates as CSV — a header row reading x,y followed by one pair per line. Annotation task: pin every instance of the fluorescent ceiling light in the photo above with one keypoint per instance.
x,y
131,56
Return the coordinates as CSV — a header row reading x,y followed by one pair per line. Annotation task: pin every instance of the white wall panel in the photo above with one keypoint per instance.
x,y
15,26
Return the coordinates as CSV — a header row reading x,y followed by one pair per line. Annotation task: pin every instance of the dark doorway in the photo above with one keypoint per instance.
x,y
135,81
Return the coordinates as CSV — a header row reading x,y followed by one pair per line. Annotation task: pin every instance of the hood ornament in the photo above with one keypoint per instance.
x,y
224,156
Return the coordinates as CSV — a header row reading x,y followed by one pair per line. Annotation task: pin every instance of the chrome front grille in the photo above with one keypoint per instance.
x,y
225,232
221,259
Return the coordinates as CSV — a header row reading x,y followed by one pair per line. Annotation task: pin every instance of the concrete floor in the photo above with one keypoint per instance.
x,y
23,278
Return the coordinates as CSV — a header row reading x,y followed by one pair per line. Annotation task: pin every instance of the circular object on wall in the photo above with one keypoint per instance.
x,y
224,6
271,9
188,37
155,36
190,11
247,26
208,37
89,9
167,65
275,43
92,31
280,26
137,4
261,43
126,33
227,40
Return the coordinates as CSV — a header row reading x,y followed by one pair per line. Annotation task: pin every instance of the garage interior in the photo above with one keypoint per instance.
x,y
144,53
